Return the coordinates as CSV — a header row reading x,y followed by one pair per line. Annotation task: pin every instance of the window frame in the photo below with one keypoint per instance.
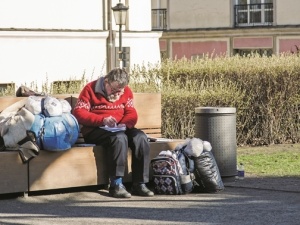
x,y
159,19
262,8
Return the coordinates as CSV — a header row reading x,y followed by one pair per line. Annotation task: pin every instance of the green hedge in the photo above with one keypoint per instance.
x,y
264,90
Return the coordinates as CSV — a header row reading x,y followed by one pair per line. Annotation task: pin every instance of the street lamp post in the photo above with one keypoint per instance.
x,y
120,14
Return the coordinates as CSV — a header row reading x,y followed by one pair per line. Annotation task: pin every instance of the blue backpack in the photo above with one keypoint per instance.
x,y
56,133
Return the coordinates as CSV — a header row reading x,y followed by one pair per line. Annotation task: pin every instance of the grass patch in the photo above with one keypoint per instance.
x,y
273,161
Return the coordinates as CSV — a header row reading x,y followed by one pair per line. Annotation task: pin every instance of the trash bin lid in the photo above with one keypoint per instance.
x,y
215,110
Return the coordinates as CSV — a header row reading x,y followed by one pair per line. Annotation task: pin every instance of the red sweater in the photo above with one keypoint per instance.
x,y
92,107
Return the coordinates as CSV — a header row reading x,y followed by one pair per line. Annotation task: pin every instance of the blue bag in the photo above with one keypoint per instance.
x,y
56,133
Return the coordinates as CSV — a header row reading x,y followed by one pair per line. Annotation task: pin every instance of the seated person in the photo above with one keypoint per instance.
x,y
108,102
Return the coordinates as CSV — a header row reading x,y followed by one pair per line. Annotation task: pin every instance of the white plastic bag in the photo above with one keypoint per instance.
x,y
52,106
66,107
33,104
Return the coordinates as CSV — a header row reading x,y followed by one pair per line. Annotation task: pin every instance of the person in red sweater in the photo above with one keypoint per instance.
x,y
104,105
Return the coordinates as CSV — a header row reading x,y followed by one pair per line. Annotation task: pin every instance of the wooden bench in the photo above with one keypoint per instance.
x,y
78,166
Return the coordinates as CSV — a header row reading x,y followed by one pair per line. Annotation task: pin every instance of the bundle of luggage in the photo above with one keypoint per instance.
x,y
191,167
55,127
36,123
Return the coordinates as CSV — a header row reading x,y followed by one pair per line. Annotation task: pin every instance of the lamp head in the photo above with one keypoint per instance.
x,y
120,12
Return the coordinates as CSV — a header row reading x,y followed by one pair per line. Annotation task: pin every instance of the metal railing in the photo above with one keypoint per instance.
x,y
159,19
253,15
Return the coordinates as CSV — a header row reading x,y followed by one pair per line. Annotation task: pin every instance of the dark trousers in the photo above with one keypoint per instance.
x,y
116,144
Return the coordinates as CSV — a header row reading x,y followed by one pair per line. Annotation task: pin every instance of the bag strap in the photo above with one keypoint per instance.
x,y
43,107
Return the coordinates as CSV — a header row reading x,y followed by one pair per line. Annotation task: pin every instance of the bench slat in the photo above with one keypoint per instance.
x,y
8,101
79,166
148,106
13,173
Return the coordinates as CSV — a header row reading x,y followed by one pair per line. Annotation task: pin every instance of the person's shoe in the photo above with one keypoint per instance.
x,y
119,191
141,190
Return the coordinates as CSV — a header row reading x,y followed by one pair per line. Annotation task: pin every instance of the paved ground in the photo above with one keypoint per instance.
x,y
250,201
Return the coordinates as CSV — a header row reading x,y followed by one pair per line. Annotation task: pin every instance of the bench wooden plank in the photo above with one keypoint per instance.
x,y
148,106
79,166
8,101
13,173
152,132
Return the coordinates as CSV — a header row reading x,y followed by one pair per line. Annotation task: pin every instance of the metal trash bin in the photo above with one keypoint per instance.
x,y
218,126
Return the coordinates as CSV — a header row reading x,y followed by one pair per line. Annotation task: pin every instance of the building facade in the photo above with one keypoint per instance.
x,y
194,28
43,41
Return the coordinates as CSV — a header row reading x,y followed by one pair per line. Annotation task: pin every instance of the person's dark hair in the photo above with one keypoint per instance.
x,y
119,75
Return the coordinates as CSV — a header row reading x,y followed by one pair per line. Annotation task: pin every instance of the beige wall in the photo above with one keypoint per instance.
x,y
54,14
63,40
199,14
287,12
49,56
288,43
159,4
138,19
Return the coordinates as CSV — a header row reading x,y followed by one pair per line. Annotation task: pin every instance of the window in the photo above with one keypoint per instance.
x,y
246,52
159,19
253,12
7,89
67,87
163,55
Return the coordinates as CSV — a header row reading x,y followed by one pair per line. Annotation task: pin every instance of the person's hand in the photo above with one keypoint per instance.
x,y
109,121
121,125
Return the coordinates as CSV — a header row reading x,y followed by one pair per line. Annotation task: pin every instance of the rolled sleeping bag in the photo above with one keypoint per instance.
x,y
207,173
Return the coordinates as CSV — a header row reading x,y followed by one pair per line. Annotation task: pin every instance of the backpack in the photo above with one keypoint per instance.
x,y
55,128
173,173
187,177
55,133
166,174
202,166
